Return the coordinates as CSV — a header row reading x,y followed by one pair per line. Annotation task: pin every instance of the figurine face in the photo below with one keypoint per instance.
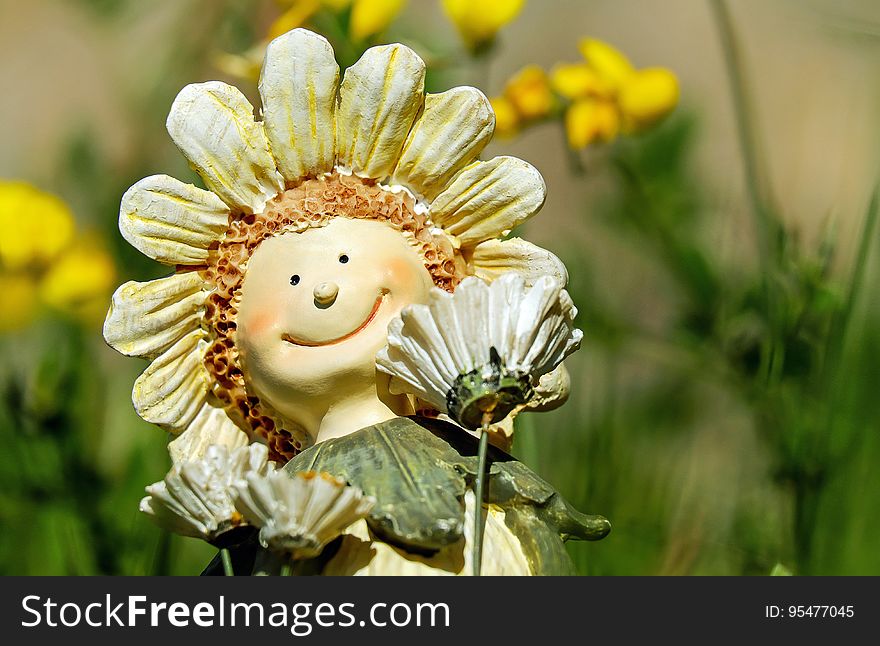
x,y
315,308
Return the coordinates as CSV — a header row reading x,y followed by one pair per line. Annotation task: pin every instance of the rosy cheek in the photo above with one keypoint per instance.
x,y
261,323
399,271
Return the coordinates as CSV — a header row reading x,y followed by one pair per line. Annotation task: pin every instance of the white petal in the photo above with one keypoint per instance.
x,y
170,221
145,319
213,125
211,426
306,508
552,390
379,99
172,389
451,132
472,307
496,257
195,497
298,89
488,199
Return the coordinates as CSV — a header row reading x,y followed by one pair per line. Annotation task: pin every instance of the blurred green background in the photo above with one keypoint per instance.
x,y
724,411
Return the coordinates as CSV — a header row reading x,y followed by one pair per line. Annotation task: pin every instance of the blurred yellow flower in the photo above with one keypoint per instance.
x,y
610,96
35,226
506,118
527,98
610,64
589,120
371,17
648,96
19,301
43,262
529,93
368,17
578,80
478,21
80,280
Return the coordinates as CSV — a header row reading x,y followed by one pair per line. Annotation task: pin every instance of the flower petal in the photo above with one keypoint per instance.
x,y
213,125
211,426
172,389
298,89
496,257
479,20
588,120
379,99
170,221
648,96
609,63
506,117
371,17
552,390
451,132
145,319
578,80
529,93
488,199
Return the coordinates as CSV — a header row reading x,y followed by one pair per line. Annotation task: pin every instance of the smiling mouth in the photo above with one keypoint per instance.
x,y
314,344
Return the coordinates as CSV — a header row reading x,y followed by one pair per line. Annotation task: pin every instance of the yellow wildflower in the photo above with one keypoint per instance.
x,y
478,21
578,80
19,301
368,17
371,17
42,262
609,95
528,91
34,226
506,118
610,64
649,96
80,280
590,120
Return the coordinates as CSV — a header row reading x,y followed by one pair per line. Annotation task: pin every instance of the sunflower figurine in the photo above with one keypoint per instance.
x,y
323,229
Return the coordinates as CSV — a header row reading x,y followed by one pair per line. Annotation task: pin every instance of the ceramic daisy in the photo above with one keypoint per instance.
x,y
196,497
477,354
299,515
350,197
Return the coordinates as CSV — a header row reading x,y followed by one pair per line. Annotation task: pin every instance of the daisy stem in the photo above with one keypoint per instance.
x,y
226,557
286,569
478,503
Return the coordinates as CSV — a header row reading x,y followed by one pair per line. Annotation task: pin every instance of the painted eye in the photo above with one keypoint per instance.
x,y
343,259
294,280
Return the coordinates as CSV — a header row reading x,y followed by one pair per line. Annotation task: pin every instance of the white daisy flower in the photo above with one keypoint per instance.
x,y
299,514
195,498
319,140
481,350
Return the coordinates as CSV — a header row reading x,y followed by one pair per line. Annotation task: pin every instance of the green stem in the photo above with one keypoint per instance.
x,y
481,71
226,557
807,493
286,568
758,192
480,495
575,161
767,227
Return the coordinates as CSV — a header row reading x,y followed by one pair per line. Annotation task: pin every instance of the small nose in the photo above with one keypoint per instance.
x,y
325,294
